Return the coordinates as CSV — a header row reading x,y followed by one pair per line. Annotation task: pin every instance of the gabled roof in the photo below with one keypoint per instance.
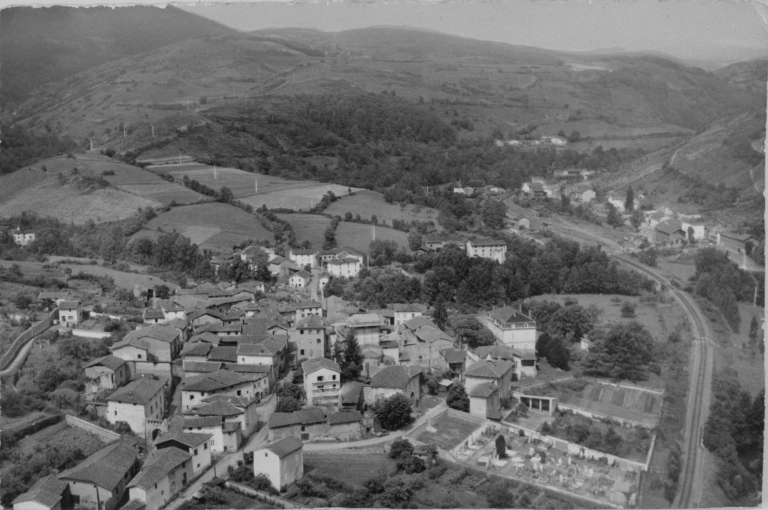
x,y
201,366
315,364
69,305
412,307
247,369
308,416
53,296
191,422
230,399
418,322
277,260
188,439
132,342
454,355
350,392
341,417
253,350
106,467
224,328
309,304
47,491
219,408
154,314
156,332
157,467
311,321
111,362
492,369
488,242
342,261
219,380
394,376
737,237
303,274
509,315
285,446
495,351
196,349
484,390
228,354
139,391
206,337
666,227
260,325
199,313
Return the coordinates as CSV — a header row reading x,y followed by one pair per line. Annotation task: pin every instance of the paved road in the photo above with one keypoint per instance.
x,y
21,356
314,284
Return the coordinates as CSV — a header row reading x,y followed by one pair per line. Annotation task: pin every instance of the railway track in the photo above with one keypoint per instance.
x,y
698,402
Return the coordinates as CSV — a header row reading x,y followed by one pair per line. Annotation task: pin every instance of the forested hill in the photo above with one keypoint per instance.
x,y
41,45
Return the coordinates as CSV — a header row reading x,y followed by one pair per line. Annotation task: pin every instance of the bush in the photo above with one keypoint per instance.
x,y
400,446
628,310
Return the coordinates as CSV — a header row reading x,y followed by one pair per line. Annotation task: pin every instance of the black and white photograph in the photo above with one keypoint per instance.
x,y
382,254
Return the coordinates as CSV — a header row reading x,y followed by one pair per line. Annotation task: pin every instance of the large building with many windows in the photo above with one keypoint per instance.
x,y
512,327
322,381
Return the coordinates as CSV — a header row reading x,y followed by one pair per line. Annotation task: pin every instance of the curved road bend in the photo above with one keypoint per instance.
x,y
699,394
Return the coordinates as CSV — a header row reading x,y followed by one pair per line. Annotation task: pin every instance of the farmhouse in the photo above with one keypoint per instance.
x,y
392,380
282,462
163,343
46,494
322,381
197,445
340,253
310,338
199,318
521,221
438,242
456,359
303,258
347,267
23,238
736,242
99,481
534,189
497,372
70,313
406,312
165,474
56,297
512,327
492,249
307,424
299,280
106,373
141,403
669,232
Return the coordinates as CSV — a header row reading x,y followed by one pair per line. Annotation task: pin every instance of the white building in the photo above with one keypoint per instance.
x,y
164,474
322,381
141,404
70,313
307,308
23,238
45,494
212,426
492,249
299,280
348,267
227,382
281,461
197,445
304,258
513,328
406,312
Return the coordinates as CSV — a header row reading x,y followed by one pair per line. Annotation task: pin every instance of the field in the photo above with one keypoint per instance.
x,y
308,227
359,235
367,203
298,198
749,366
164,192
451,431
204,224
349,468
62,433
680,270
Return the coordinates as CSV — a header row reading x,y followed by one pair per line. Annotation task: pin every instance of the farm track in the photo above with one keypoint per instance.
x,y
698,401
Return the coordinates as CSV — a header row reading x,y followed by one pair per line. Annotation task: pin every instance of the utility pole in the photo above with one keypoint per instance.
x,y
123,130
373,231
179,157
153,130
91,143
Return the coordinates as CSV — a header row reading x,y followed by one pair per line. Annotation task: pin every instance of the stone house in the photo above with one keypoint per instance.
x,y
232,409
492,249
310,338
141,404
392,380
347,267
299,280
303,258
47,493
197,445
484,401
495,371
306,424
70,313
512,327
166,473
106,373
406,312
194,389
282,462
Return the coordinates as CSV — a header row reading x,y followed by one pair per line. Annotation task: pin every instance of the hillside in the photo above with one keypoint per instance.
x,y
42,45
751,75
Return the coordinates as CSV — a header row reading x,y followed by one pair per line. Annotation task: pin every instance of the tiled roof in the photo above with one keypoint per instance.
x,y
309,304
344,417
285,446
139,391
454,355
247,369
219,408
228,354
47,491
230,399
156,331
388,344
253,350
200,313
350,392
154,314
303,274
508,315
737,237
396,376
191,422
109,361
53,295
413,307
312,321
215,381
201,366
418,322
158,466
484,390
188,439
69,305
342,261
668,228
206,337
315,364
196,349
134,504
259,326
133,342
308,416
224,328
106,467
178,323
488,242
489,369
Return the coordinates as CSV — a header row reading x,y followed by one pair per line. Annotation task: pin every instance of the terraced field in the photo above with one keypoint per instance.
x,y
308,227
368,203
360,235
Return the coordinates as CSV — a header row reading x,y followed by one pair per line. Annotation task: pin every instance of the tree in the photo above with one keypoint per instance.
x,y
493,213
457,398
691,236
295,391
329,241
410,464
162,291
440,315
499,497
501,446
574,137
288,405
627,310
353,358
393,412
554,349
648,257
225,195
629,200
753,330
624,353
614,218
471,332
571,321
414,240
400,446
565,203
636,219
22,301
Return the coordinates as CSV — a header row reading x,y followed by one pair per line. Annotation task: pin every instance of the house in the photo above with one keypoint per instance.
x,y
484,401
164,474
496,371
490,190
308,308
70,313
347,267
303,258
669,232
406,312
307,424
269,353
152,316
351,396
467,190
106,373
367,327
492,249
436,242
197,445
322,381
194,389
282,268
345,425
199,318
560,174
232,409
140,403
163,343
223,354
534,189
213,426
310,338
282,462
617,202
552,190
512,327
195,368
299,280
263,326
456,359
340,253
56,297
586,196
521,222
390,347
421,342
47,493
23,238
392,380
196,352
100,481
541,211
524,362
231,329
736,242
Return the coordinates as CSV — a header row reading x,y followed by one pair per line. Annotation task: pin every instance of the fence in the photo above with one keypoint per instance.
x,y
248,491
105,435
25,337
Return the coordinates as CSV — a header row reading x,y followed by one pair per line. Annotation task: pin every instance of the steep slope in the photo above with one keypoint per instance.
x,y
41,45
751,75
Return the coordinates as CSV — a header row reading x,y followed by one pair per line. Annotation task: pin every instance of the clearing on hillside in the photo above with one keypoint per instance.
x,y
368,203
308,227
360,235
298,198
204,224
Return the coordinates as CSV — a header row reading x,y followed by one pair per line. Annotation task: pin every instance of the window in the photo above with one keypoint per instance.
x,y
320,378
139,356
191,397
265,454
318,340
115,412
196,454
302,352
205,446
238,393
333,377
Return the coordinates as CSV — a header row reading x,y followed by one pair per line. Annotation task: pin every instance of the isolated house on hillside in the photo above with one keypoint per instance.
x,y
70,313
492,249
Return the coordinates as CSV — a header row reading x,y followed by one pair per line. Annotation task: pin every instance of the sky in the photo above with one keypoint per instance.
x,y
688,29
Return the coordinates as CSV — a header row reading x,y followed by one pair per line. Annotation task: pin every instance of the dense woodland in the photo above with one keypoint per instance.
x,y
22,147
